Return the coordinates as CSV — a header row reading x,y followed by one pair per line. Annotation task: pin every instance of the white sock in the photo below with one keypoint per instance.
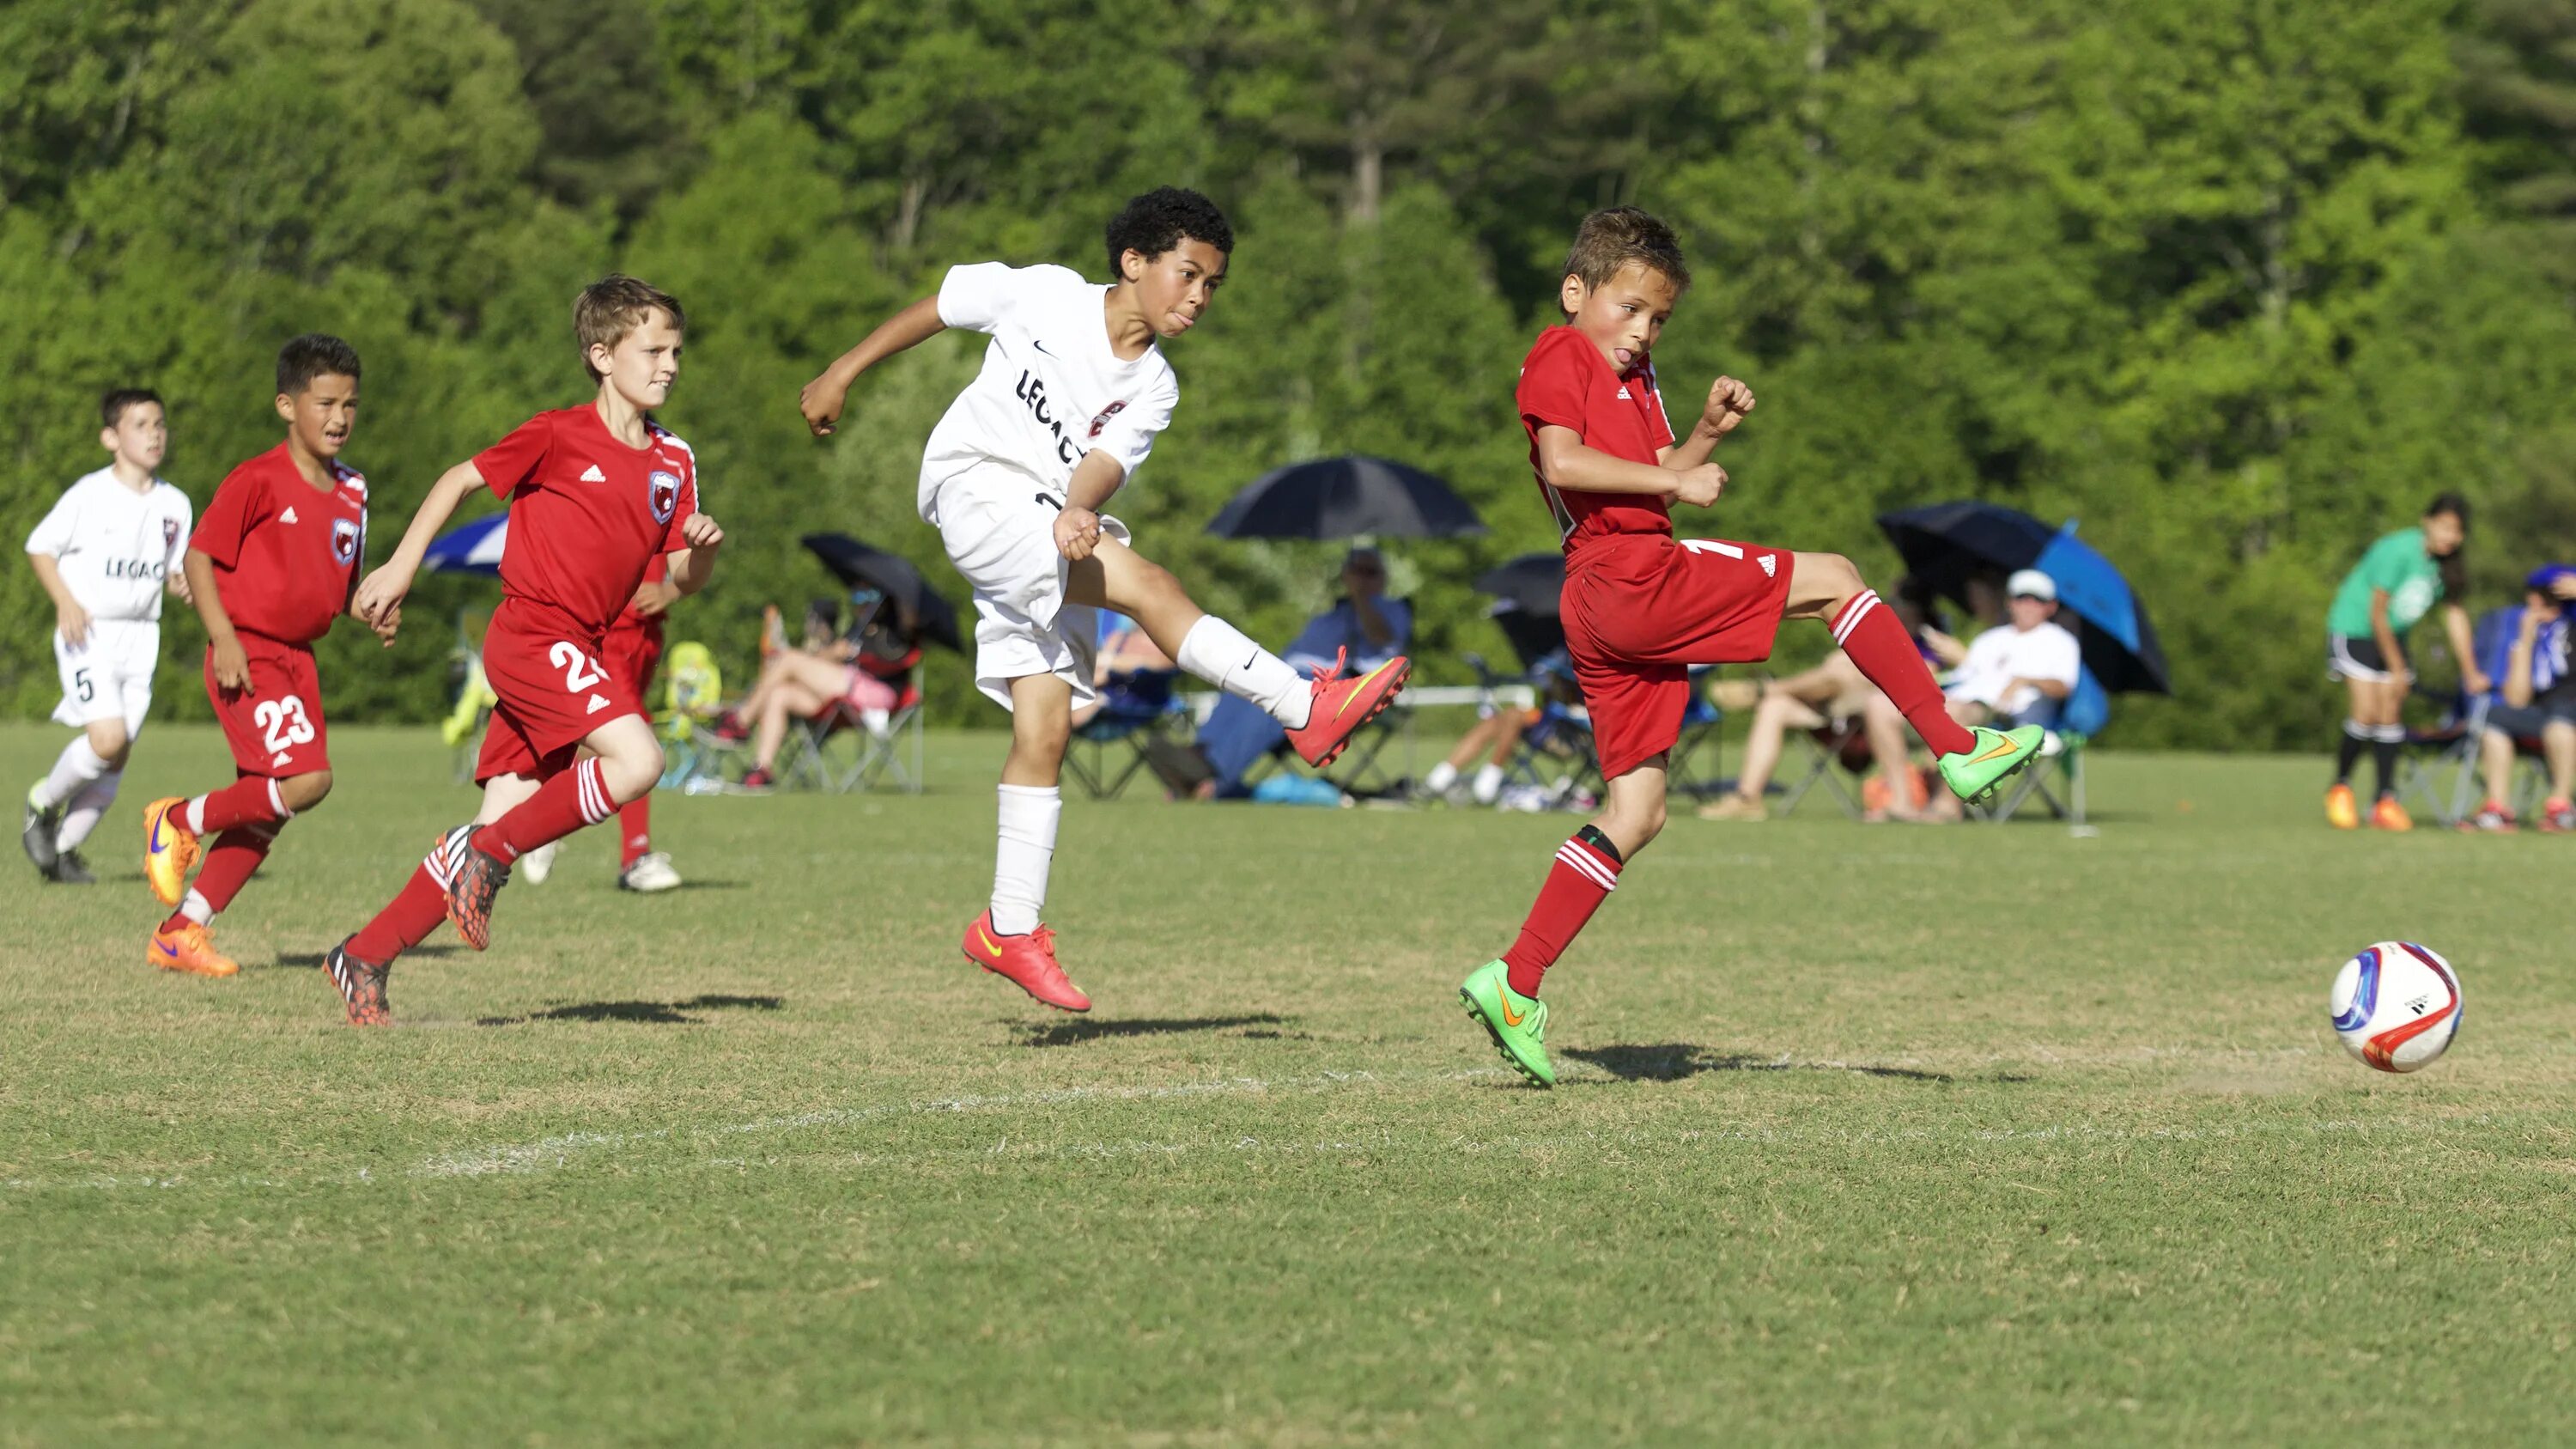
x,y
1218,652
194,907
1442,776
1489,783
75,767
1022,854
82,816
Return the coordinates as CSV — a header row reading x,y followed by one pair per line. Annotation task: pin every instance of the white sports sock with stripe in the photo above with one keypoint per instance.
x,y
81,817
1023,854
74,768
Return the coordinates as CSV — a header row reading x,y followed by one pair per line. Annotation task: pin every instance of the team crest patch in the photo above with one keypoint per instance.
x,y
1102,421
344,539
169,532
664,495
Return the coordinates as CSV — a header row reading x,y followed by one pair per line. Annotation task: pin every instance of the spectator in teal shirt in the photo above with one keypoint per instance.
x,y
2396,583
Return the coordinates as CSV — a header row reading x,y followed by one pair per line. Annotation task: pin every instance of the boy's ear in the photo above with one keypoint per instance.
x,y
286,407
1136,271
600,355
107,439
1570,294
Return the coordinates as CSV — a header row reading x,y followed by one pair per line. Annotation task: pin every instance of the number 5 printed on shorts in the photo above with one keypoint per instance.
x,y
580,672
283,725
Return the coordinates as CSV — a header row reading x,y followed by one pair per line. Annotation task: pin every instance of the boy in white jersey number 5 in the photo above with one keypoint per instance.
x,y
1072,392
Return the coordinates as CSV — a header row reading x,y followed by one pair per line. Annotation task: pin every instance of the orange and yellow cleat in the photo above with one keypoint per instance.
x,y
2389,815
1027,962
1340,706
2342,812
191,948
170,850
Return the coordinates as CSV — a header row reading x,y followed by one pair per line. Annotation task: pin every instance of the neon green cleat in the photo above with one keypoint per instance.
x,y
1998,755
1517,1023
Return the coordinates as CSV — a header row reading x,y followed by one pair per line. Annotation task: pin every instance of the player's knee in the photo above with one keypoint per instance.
x,y
1831,572
631,774
303,792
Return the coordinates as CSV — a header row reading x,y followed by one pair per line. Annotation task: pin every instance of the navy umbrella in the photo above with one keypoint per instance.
x,y
1329,498
1943,545
1533,581
859,566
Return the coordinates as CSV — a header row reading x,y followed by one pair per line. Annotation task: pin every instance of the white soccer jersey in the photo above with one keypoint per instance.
x,y
114,546
1050,390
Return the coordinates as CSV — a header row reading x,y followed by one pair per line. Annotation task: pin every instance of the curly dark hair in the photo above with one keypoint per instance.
x,y
315,354
1162,219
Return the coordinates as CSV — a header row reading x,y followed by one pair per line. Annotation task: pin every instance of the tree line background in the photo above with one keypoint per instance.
x,y
2238,283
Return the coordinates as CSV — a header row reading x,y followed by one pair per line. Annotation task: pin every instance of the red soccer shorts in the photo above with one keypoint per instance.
x,y
1641,608
554,689
633,652
275,726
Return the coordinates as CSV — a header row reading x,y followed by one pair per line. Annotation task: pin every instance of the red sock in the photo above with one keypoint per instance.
x,y
567,801
1883,652
635,822
229,863
1585,873
250,800
405,922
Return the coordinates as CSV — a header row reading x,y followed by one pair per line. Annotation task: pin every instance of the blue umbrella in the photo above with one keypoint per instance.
x,y
474,548
1346,498
1945,543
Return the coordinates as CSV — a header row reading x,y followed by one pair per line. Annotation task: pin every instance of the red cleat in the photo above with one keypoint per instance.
x,y
1028,961
1340,706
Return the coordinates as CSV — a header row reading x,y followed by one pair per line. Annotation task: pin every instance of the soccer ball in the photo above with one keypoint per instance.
x,y
2396,1005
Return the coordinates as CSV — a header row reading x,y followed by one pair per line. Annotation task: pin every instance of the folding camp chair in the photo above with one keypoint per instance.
x,y
839,751
1687,772
1136,708
692,688
1836,752
462,730
2056,779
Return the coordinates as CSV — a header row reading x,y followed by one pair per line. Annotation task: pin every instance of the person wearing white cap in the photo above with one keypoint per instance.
x,y
2017,672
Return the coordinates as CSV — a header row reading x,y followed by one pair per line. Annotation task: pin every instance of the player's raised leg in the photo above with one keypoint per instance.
x,y
1973,761
1320,714
1010,939
64,806
624,761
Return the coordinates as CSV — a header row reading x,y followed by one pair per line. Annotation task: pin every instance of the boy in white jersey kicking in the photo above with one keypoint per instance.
x,y
106,554
1072,392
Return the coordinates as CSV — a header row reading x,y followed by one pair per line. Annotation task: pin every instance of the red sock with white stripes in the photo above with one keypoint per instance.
x,y
250,800
635,825
1586,871
1870,633
405,922
566,802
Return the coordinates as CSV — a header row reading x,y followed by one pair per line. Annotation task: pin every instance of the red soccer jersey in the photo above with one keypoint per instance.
x,y
1567,383
656,570
587,514
286,553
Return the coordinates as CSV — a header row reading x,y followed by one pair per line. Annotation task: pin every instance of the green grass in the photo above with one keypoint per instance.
x,y
1894,1135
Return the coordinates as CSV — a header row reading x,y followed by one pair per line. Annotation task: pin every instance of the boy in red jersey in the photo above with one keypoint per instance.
x,y
1640,606
633,652
271,565
596,492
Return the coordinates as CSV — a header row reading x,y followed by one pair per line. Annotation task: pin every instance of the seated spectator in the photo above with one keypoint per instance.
x,y
1833,690
1373,627
2017,672
1123,652
865,669
1498,733
2535,700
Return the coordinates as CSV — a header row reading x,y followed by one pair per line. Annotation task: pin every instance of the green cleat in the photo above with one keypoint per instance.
x,y
1517,1023
1998,755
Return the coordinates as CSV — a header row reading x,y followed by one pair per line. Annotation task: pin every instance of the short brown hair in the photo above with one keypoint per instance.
x,y
111,408
613,306
1615,236
315,354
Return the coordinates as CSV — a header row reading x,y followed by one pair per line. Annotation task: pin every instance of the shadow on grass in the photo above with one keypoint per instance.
x,y
1673,1061
1092,1028
312,960
653,1013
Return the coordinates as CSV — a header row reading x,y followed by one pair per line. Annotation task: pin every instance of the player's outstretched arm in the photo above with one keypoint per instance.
x,y
232,667
379,599
691,567
1565,462
823,398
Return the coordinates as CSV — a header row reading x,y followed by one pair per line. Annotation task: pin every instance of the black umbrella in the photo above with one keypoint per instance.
x,y
1346,497
859,566
1946,543
1533,581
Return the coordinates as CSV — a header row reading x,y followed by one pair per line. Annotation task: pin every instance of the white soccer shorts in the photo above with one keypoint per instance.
x,y
1001,536
110,675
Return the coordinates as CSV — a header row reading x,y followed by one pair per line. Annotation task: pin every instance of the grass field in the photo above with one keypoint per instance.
x,y
1886,1135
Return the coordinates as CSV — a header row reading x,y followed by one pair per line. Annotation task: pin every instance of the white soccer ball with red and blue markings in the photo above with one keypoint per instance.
x,y
2396,1005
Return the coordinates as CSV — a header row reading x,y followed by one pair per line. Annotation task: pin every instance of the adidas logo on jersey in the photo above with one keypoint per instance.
x,y
592,474
1770,565
287,517
1623,393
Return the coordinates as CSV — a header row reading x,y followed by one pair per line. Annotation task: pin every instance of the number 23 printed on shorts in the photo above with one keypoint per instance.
x,y
582,671
282,723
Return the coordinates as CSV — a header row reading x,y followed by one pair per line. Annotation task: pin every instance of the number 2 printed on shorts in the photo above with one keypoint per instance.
x,y
581,671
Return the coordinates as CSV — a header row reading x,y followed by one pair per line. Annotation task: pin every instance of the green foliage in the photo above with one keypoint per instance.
x,y
2236,285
